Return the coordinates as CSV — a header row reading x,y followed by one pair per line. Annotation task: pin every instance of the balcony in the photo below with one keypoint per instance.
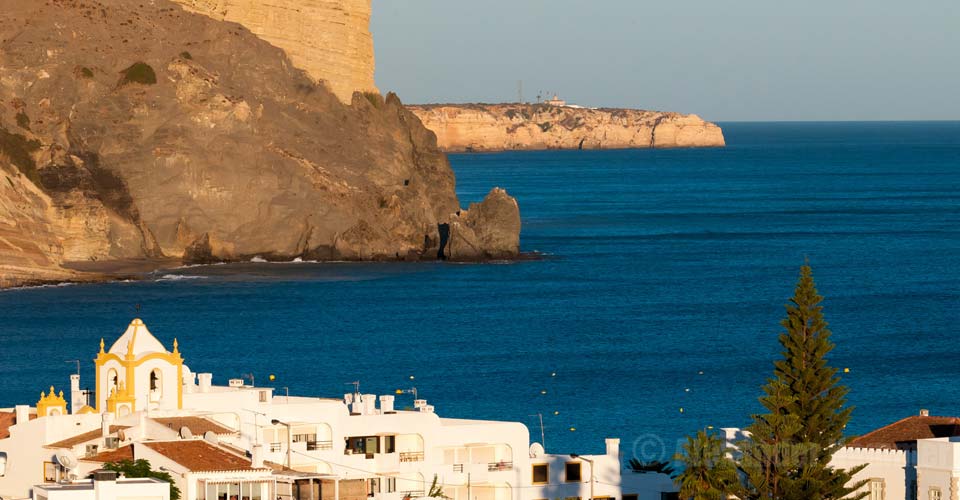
x,y
319,445
499,466
411,456
457,467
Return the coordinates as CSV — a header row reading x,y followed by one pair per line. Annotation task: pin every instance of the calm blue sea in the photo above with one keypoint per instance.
x,y
661,289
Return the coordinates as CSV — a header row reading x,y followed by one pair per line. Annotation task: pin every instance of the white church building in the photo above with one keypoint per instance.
x,y
238,442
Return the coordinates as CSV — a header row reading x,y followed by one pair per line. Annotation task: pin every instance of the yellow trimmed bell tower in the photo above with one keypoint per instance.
x,y
138,373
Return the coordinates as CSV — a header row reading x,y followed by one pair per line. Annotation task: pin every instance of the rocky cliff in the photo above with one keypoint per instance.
x,y
329,39
139,130
499,127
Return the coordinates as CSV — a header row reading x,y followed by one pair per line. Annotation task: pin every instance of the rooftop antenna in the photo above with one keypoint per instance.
x,y
77,361
250,376
356,386
543,438
520,91
412,390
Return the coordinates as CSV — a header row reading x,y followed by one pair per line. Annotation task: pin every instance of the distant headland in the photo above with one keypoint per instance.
x,y
556,125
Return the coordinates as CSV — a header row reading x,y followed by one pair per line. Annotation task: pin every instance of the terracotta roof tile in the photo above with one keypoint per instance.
x,y
200,456
124,453
83,438
197,425
905,433
8,420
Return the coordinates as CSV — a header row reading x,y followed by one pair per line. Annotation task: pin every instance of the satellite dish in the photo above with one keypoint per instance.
x,y
211,438
536,450
121,435
186,433
67,459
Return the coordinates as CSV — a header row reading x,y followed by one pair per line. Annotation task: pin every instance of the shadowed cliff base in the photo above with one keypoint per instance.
x,y
505,127
144,132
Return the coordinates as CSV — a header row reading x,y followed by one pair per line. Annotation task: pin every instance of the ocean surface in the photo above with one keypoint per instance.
x,y
654,311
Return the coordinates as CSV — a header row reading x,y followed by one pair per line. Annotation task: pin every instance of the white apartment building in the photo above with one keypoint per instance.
x,y
238,442
916,458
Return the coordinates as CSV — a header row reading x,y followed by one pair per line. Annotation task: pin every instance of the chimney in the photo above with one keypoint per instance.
x,y
924,412
347,399
107,421
419,403
369,404
104,484
613,447
206,381
386,404
23,414
189,380
77,400
426,409
256,456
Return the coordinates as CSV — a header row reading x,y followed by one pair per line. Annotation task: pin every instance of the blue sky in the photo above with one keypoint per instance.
x,y
724,60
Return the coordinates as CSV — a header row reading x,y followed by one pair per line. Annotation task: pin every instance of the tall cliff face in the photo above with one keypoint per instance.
x,y
329,39
132,130
500,127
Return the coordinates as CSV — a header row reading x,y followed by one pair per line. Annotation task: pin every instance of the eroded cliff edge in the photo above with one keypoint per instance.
x,y
504,127
133,131
329,39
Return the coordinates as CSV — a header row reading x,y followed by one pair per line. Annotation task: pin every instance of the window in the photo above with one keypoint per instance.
x,y
390,444
91,450
913,493
631,496
310,439
111,381
390,484
263,396
111,443
3,463
876,489
373,486
541,473
156,390
573,472
50,472
935,494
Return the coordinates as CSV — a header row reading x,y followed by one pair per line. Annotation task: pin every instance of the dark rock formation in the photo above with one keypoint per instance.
x,y
144,131
488,230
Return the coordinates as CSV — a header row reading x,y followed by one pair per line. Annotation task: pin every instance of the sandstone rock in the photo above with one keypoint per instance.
x,y
488,230
30,251
500,127
329,39
232,153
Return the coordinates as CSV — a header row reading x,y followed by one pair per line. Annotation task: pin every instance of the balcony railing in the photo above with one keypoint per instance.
x,y
457,467
497,466
412,494
319,445
275,447
411,456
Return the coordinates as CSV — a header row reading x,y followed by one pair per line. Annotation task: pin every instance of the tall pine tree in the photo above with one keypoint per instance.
x,y
788,454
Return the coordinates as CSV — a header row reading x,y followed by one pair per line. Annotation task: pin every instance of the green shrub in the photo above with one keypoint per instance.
x,y
186,55
139,72
23,120
374,98
86,72
546,126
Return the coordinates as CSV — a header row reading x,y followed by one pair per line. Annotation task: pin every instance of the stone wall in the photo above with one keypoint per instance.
x,y
329,39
